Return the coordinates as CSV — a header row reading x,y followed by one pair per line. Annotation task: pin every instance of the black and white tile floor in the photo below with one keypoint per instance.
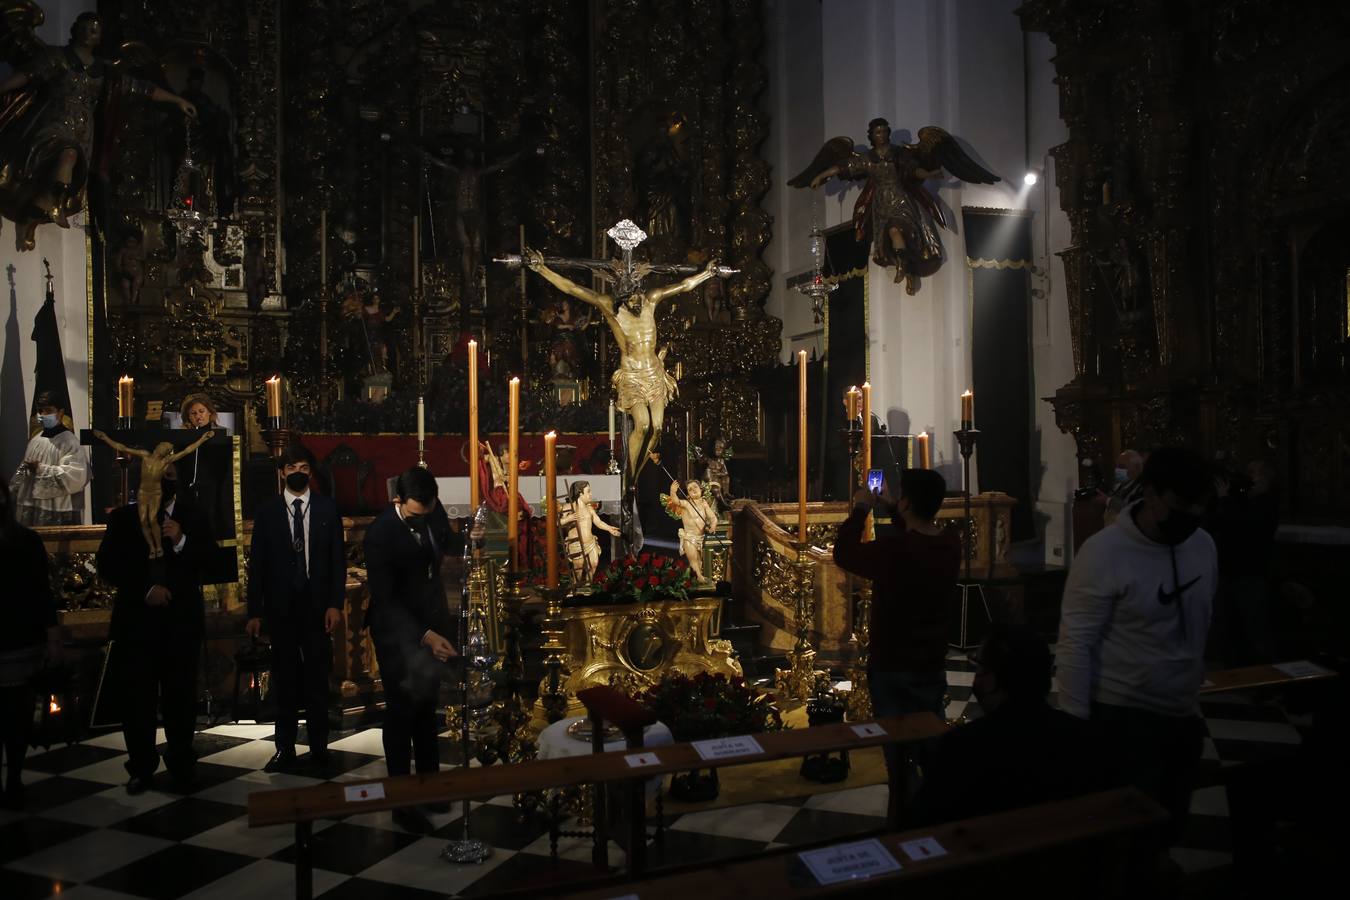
x,y
83,838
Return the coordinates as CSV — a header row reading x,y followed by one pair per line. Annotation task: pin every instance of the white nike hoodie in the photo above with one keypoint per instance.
x,y
1124,636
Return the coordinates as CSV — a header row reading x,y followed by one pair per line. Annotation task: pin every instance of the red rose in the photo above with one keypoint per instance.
x,y
644,559
682,563
653,581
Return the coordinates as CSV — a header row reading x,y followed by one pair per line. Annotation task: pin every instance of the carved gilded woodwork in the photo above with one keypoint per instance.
x,y
1224,170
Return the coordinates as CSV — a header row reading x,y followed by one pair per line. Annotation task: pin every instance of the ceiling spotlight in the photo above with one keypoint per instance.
x,y
1030,178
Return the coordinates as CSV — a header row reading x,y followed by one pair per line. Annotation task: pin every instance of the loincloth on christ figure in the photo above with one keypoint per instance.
x,y
642,387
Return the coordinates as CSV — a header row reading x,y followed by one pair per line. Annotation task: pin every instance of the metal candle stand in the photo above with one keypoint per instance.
x,y
467,849
967,438
277,437
124,462
801,680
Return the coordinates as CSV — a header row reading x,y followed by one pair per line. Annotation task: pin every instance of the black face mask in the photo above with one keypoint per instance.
x,y
298,482
1178,526
168,487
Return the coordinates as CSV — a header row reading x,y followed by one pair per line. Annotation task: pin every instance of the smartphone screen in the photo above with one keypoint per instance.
x,y
875,479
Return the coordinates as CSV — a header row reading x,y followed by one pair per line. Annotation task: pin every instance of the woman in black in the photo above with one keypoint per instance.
x,y
27,623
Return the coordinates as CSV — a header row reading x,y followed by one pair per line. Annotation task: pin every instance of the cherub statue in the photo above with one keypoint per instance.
x,y
585,520
697,518
895,211
153,465
47,117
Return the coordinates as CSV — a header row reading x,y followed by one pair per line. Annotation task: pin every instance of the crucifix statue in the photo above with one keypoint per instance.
x,y
641,383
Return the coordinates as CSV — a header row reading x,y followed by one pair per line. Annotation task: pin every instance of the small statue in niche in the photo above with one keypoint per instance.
x,y
661,178
697,518
154,463
47,124
715,471
895,211
130,264
565,350
578,520
375,319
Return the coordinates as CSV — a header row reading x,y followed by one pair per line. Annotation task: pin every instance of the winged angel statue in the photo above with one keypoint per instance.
x,y
48,141
894,210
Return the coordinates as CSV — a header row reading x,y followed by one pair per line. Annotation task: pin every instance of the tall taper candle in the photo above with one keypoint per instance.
x,y
273,385
551,506
513,476
126,397
611,423
421,422
801,446
925,461
473,426
867,444
968,411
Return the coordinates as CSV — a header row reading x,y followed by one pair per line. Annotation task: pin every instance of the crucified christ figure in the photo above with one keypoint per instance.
x,y
641,382
153,465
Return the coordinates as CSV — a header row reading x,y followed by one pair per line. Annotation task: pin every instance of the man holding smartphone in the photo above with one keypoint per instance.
x,y
913,573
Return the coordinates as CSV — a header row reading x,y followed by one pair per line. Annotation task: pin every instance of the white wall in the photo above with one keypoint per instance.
x,y
966,68
65,250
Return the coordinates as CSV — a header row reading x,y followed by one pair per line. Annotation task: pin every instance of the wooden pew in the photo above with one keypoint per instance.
x,y
1260,676
302,806
974,849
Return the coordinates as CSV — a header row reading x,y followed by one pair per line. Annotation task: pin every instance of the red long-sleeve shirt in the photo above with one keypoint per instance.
x,y
914,580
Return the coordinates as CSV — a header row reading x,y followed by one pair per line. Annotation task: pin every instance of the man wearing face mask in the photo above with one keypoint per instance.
x,y
157,623
47,487
1133,623
913,571
1126,488
297,585
411,624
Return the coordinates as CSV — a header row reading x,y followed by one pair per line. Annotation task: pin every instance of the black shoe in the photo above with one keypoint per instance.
x,y
282,761
138,785
412,820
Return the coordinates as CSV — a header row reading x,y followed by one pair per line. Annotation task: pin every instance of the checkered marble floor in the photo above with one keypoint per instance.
x,y
82,836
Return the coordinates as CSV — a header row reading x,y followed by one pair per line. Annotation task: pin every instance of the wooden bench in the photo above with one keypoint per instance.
x,y
978,850
303,806
1259,676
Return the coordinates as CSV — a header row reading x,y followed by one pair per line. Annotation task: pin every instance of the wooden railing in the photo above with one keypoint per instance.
x,y
303,806
978,851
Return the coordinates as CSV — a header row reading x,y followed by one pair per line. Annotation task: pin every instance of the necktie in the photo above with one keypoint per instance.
x,y
301,577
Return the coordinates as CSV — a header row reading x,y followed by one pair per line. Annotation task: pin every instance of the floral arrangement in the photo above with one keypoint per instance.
x,y
646,577
706,706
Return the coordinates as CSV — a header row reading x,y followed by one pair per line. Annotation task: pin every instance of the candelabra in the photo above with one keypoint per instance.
x,y
472,655
966,438
553,696
801,679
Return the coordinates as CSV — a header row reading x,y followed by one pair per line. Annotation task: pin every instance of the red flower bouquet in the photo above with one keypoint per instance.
x,y
646,577
708,706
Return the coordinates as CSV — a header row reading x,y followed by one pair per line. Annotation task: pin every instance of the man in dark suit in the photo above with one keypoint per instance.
x,y
410,623
157,624
297,583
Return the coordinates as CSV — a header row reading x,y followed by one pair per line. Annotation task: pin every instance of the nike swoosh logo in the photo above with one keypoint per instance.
x,y
1166,598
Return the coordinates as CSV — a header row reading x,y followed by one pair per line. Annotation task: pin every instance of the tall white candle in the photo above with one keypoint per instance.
x,y
611,421
421,421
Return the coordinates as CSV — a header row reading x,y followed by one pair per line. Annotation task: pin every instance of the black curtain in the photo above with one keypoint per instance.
x,y
998,250
846,353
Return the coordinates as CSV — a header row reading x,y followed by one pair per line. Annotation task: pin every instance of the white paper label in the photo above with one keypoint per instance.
x,y
1302,669
846,862
638,760
721,748
923,848
355,793
868,729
